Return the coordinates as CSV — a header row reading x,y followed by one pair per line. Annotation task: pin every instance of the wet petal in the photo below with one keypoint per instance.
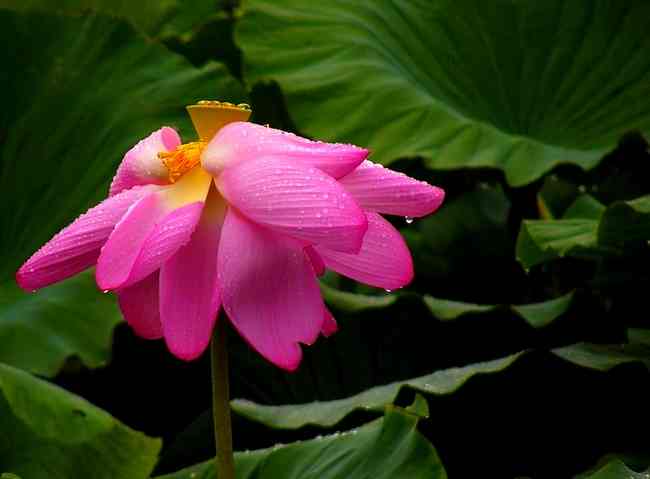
x,y
151,232
189,294
76,247
141,165
139,306
379,189
301,202
270,293
244,141
384,260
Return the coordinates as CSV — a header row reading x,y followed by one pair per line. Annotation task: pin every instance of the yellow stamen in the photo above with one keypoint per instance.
x,y
182,159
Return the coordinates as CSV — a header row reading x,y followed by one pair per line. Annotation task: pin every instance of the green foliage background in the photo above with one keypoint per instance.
x,y
521,349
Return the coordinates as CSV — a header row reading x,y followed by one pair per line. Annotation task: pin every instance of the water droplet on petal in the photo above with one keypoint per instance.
x,y
388,290
408,219
106,291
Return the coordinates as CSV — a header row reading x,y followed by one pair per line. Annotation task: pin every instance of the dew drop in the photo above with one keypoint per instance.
x,y
388,290
408,219
106,291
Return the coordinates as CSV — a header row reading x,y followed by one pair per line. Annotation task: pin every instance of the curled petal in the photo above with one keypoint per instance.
x,y
270,293
140,307
189,294
153,230
379,189
148,235
141,165
76,247
243,141
299,201
384,260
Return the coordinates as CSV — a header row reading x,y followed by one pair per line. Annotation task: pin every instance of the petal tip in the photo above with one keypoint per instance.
x,y
103,281
22,280
170,137
290,364
330,326
439,198
363,153
185,354
140,165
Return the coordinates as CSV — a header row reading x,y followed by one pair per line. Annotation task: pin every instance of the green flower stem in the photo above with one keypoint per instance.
x,y
221,403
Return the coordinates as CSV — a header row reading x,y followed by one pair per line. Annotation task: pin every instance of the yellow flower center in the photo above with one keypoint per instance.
x,y
182,159
208,117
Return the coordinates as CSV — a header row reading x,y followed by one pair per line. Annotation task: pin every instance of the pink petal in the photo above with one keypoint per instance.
x,y
379,189
189,295
153,229
141,165
268,290
139,305
148,235
76,247
330,326
316,261
384,260
243,141
299,201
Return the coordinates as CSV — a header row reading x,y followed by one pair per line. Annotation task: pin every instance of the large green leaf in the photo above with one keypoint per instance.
x,y
540,240
536,314
521,85
584,207
613,468
625,221
387,448
604,357
39,331
587,229
48,433
77,92
66,127
155,17
328,413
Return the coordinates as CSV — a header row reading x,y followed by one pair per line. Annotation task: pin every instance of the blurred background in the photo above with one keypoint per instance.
x,y
528,315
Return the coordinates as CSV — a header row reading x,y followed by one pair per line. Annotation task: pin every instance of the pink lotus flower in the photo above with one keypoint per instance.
x,y
246,221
